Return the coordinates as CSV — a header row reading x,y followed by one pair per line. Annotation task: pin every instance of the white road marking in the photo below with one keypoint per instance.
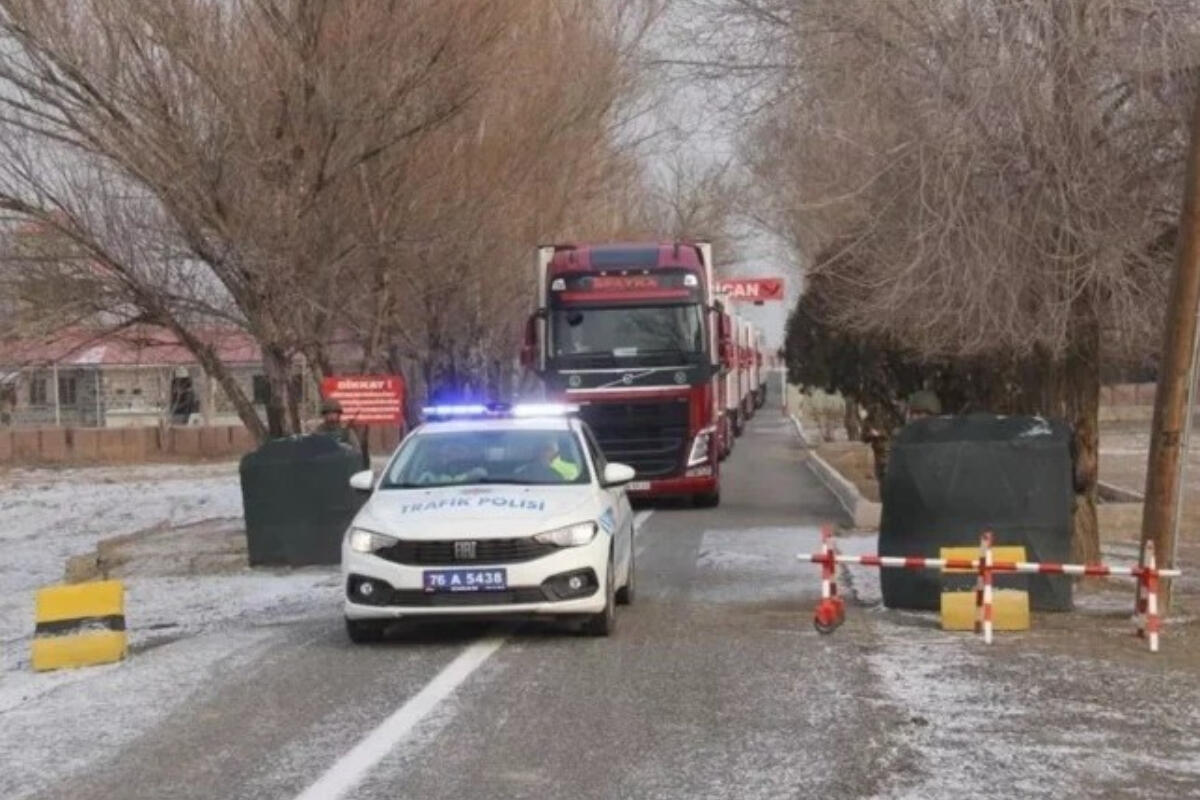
x,y
351,768
639,519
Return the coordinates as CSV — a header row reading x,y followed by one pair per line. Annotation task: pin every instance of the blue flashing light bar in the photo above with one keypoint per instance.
x,y
498,410
455,411
544,409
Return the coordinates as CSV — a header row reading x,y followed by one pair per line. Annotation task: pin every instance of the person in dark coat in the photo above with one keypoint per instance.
x,y
333,427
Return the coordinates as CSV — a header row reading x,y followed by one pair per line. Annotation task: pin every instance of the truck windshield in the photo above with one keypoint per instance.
x,y
628,331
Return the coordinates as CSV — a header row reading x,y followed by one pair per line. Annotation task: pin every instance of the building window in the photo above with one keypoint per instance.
x,y
262,390
68,390
37,392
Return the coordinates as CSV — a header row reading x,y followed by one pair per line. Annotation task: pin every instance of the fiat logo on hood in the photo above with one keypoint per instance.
x,y
465,551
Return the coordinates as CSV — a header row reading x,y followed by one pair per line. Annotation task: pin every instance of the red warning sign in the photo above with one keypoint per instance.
x,y
754,289
367,399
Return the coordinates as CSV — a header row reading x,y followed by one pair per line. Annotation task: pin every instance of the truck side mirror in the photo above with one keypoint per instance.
x,y
529,347
725,353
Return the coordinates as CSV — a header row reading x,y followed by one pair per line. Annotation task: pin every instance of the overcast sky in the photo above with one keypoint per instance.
x,y
689,110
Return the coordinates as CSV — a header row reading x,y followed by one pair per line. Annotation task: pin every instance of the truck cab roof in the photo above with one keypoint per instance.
x,y
633,255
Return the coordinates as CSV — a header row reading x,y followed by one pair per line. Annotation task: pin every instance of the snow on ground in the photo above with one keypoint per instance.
x,y
1075,707
88,716
46,516
211,622
1013,720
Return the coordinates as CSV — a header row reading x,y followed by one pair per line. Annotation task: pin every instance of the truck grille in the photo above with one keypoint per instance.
x,y
487,551
650,436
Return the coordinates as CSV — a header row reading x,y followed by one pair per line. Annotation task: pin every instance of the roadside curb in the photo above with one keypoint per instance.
x,y
865,513
1119,494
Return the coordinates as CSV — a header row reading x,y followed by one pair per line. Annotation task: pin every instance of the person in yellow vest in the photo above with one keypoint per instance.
x,y
550,466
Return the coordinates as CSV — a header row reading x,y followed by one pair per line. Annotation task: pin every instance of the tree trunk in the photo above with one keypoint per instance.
x,y
1081,395
295,395
851,421
275,366
216,369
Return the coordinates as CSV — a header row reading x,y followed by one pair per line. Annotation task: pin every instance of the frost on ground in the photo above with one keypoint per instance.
x,y
1074,707
46,516
1018,720
89,715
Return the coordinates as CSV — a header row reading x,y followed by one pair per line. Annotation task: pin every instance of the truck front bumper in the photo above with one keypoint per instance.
x,y
676,486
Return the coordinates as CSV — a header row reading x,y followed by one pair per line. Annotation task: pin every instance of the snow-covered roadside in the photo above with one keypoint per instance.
x,y
209,623
1014,720
1047,714
87,716
46,516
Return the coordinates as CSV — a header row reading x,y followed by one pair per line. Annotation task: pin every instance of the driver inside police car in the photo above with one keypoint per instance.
x,y
549,464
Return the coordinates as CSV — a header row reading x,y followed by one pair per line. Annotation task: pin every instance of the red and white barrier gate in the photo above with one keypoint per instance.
x,y
831,611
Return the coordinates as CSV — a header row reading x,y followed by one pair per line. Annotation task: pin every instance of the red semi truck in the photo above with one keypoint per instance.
x,y
632,333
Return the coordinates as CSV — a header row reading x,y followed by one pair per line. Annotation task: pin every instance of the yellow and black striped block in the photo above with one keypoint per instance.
x,y
78,625
1010,607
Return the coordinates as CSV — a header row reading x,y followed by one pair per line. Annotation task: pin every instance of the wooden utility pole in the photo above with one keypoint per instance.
x,y
1171,405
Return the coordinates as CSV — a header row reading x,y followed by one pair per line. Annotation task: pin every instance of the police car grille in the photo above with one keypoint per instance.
x,y
487,551
415,597
648,436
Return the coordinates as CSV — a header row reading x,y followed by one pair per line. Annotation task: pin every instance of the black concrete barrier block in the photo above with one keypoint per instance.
x,y
298,501
951,478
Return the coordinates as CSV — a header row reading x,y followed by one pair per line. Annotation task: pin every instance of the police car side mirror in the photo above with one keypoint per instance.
x,y
618,474
363,481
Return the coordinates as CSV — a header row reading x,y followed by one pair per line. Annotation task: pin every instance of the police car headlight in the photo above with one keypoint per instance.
x,y
570,536
699,452
362,541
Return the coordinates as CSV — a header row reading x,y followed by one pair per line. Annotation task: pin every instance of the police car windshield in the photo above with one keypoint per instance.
x,y
464,458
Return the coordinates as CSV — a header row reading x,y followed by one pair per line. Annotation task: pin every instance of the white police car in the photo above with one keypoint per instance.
x,y
488,511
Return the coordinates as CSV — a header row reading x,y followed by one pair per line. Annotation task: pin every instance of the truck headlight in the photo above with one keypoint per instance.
x,y
570,536
362,541
700,444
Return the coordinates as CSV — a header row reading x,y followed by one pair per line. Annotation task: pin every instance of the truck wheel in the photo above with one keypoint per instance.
x,y
707,499
365,631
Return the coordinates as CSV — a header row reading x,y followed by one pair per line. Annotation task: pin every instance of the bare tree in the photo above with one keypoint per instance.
x,y
1003,174
318,168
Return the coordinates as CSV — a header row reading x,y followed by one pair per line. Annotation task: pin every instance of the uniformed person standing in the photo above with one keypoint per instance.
x,y
333,427
921,404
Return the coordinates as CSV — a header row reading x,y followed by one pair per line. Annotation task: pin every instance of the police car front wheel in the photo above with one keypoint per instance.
x,y
624,595
605,622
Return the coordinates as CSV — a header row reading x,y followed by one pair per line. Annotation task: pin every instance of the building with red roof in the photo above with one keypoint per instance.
x,y
138,375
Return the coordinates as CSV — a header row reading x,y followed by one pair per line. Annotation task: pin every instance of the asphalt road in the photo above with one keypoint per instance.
x,y
714,686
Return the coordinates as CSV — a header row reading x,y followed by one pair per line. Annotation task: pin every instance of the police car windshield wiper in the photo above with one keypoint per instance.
x,y
511,481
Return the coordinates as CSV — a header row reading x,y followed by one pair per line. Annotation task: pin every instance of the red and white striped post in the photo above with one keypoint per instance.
x,y
1147,601
830,611
983,588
